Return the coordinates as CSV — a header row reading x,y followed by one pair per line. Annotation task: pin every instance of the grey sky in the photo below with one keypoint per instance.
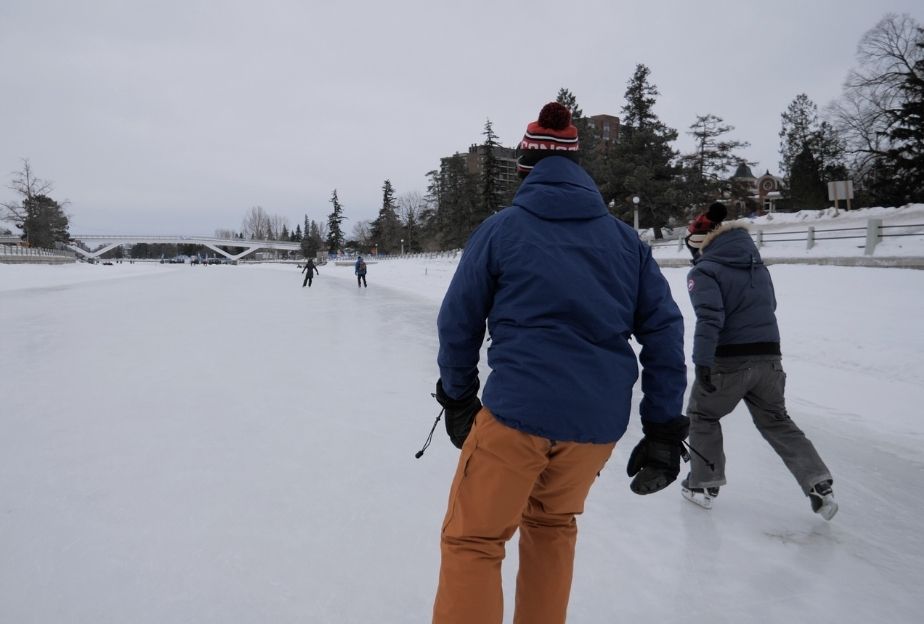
x,y
169,117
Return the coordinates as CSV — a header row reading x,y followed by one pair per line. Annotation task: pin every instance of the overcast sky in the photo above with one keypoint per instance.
x,y
176,117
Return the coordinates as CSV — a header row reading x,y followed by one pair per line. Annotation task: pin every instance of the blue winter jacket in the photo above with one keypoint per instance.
x,y
733,297
563,286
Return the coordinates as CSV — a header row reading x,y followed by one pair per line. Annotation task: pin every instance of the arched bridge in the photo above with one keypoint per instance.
x,y
249,246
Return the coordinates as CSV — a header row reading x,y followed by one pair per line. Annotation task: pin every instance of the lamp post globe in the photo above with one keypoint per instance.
x,y
635,201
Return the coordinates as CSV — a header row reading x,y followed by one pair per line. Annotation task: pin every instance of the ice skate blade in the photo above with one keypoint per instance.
x,y
697,498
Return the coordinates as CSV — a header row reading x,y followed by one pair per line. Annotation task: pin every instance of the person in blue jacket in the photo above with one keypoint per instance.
x,y
359,268
562,286
736,353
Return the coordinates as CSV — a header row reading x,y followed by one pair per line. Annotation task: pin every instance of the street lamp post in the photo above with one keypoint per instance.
x,y
402,246
635,201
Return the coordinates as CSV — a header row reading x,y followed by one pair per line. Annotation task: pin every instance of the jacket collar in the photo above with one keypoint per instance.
x,y
559,189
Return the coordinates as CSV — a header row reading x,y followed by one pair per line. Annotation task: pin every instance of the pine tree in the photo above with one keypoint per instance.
x,y
45,222
334,219
386,228
457,203
806,188
641,163
801,128
41,219
591,158
491,193
708,165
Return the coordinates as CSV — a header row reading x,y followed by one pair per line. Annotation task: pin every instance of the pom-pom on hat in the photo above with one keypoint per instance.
x,y
705,223
552,134
717,212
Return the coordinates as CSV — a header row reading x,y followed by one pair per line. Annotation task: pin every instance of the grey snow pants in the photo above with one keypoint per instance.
x,y
760,381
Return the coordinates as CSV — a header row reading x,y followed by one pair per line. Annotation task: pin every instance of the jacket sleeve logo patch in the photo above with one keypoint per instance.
x,y
690,284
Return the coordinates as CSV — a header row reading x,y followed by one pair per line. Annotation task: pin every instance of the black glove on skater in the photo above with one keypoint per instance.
x,y
704,377
460,413
655,460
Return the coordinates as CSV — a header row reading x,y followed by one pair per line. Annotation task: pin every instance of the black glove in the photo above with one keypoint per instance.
x,y
704,377
460,413
655,461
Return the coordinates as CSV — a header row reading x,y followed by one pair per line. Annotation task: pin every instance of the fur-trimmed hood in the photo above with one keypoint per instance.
x,y
730,244
725,227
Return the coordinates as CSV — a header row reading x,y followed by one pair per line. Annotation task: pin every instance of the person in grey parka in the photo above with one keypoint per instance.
x,y
736,353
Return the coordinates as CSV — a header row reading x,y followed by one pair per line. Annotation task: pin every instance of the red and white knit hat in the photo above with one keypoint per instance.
x,y
552,134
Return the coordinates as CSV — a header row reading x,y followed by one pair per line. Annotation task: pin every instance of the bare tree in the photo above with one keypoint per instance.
x,y
277,223
362,232
257,224
223,233
411,206
887,53
28,187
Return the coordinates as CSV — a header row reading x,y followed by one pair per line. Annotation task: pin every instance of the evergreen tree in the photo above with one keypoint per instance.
x,y
801,128
457,202
590,155
41,218
806,188
386,229
491,193
45,222
334,219
707,167
431,217
297,234
641,163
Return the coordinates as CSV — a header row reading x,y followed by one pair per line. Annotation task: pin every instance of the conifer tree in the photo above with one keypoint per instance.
x,y
41,218
334,219
458,202
591,158
491,194
807,191
386,227
801,128
641,163
707,166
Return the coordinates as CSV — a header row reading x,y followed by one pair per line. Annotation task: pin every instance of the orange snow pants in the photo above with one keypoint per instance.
x,y
507,479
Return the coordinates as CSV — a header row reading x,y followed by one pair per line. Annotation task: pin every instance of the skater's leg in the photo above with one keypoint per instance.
x,y
497,470
705,410
767,404
548,531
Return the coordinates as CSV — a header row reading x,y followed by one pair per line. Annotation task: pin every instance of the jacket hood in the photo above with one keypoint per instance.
x,y
731,245
558,189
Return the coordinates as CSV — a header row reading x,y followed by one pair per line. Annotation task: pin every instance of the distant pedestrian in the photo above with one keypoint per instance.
x,y
360,269
309,271
736,350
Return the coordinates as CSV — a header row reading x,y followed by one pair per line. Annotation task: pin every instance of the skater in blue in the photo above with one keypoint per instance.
x,y
360,270
560,285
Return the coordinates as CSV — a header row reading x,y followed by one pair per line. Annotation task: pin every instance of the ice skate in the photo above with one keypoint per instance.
x,y
699,496
822,499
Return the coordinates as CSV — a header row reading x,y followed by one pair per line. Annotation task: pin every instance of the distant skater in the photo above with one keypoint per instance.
x,y
360,270
309,271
